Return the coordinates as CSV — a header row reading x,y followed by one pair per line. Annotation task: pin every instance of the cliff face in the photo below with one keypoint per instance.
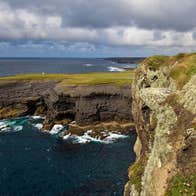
x,y
60,103
164,111
162,100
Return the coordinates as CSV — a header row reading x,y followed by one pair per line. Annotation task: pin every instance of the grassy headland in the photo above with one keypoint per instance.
x,y
117,78
183,66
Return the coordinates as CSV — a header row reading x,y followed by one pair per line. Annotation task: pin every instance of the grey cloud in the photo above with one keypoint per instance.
x,y
194,34
152,14
158,35
118,23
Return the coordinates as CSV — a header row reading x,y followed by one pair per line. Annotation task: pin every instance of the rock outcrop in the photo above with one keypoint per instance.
x,y
61,103
164,111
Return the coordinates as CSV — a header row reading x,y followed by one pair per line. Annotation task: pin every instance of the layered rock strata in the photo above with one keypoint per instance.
x,y
62,104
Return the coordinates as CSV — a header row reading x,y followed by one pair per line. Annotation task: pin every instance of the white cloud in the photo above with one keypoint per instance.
x,y
152,23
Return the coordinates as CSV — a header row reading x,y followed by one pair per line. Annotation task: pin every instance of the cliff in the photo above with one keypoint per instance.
x,y
164,111
161,98
84,98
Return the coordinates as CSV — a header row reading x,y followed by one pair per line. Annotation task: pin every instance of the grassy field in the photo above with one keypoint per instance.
x,y
183,66
117,78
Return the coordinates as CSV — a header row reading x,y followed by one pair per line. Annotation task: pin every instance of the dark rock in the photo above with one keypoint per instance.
x,y
65,103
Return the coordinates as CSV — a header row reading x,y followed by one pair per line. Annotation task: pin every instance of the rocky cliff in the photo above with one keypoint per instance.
x,y
62,103
162,101
164,111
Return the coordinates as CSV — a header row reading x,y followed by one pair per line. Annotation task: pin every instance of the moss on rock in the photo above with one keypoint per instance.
x,y
136,171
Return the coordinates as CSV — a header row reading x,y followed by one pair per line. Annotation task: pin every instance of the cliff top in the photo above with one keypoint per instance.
x,y
182,66
120,78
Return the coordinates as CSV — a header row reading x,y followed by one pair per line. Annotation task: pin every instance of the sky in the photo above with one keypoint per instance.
x,y
96,28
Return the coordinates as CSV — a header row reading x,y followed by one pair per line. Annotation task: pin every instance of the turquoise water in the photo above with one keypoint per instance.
x,y
36,163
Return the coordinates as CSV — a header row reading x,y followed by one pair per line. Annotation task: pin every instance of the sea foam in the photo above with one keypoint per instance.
x,y
89,65
86,138
6,126
115,69
37,117
56,129
38,126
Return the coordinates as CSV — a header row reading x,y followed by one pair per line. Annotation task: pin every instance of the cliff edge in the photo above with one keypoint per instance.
x,y
85,99
164,112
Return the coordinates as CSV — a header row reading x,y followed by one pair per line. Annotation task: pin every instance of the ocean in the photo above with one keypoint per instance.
x,y
13,66
36,163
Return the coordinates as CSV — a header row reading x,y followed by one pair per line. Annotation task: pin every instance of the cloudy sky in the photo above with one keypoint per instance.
x,y
96,28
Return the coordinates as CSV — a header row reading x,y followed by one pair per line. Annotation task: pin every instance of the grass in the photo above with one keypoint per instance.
x,y
154,62
136,171
118,78
184,70
183,66
182,186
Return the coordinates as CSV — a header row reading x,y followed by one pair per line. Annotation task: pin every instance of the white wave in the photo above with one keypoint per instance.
x,y
114,136
66,136
80,140
89,65
86,138
5,129
127,66
10,127
75,139
38,126
56,129
17,128
115,69
37,117
4,126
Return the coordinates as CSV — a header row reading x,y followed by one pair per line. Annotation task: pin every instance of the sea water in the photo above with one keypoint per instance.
x,y
36,163
13,66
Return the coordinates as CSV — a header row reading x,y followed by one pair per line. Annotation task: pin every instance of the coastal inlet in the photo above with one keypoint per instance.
x,y
41,163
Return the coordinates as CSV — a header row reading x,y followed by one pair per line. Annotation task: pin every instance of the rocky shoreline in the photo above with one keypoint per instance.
x,y
81,107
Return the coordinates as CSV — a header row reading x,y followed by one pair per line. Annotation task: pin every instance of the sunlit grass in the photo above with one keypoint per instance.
x,y
183,66
181,185
184,70
118,78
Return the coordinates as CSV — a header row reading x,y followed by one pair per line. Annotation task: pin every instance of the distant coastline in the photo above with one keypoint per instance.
x,y
132,60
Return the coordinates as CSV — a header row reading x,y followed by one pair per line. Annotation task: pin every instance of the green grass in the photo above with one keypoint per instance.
x,y
183,66
118,78
184,70
156,61
136,171
182,186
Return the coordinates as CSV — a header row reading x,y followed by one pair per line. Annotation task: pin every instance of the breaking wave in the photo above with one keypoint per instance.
x,y
58,130
89,65
116,69
86,138
10,126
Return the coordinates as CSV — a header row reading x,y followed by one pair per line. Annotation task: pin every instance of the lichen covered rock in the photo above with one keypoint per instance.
x,y
164,111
